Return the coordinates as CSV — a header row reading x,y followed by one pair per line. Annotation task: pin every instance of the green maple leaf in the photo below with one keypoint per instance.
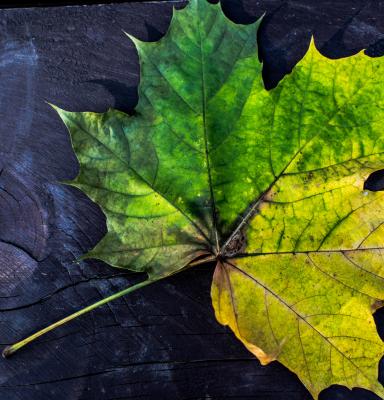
x,y
270,184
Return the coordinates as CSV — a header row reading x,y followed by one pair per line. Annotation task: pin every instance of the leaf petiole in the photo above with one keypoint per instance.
x,y
9,350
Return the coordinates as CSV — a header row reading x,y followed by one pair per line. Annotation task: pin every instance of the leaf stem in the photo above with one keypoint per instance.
x,y
9,350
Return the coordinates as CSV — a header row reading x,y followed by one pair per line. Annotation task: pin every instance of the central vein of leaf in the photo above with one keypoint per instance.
x,y
204,106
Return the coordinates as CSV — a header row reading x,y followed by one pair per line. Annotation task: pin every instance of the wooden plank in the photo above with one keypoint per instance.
x,y
161,343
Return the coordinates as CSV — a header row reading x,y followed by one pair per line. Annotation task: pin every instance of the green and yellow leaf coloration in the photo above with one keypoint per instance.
x,y
269,184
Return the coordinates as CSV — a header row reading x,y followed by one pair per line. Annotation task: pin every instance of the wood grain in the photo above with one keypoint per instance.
x,y
163,342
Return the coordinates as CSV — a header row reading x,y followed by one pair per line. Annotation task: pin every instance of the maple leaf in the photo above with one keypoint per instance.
x,y
269,184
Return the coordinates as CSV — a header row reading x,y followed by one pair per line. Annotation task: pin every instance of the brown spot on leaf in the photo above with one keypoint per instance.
x,y
236,244
377,304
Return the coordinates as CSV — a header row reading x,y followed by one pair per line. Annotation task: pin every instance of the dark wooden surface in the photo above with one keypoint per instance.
x,y
162,342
